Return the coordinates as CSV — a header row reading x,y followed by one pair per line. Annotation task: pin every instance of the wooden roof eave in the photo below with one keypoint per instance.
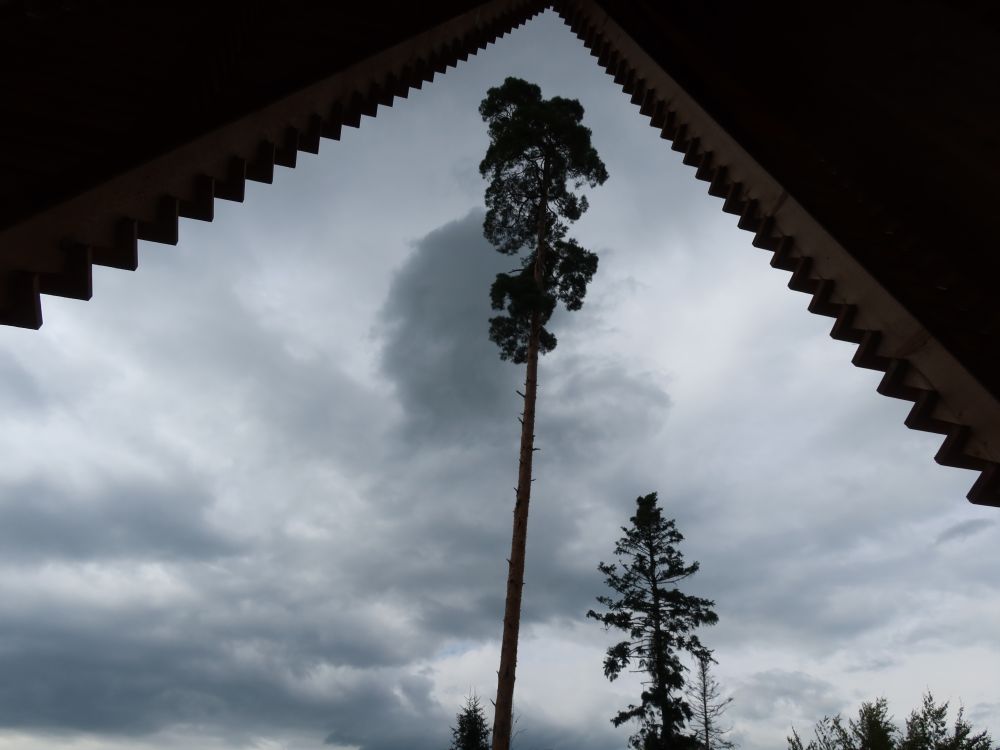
x,y
946,398
52,251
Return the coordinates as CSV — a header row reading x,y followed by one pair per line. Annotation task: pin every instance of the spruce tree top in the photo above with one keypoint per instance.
x,y
539,156
472,733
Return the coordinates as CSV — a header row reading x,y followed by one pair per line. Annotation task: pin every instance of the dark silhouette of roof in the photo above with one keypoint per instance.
x,y
859,143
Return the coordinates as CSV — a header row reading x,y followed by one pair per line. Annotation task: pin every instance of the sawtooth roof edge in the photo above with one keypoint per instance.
x,y
947,399
53,252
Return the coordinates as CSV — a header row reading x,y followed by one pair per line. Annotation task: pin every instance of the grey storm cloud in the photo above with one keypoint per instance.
x,y
983,714
460,407
437,352
124,684
964,529
455,452
42,521
874,663
20,389
265,615
788,694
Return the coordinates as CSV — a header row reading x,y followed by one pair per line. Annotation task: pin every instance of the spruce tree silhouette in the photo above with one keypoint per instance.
x,y
926,729
471,732
659,620
539,154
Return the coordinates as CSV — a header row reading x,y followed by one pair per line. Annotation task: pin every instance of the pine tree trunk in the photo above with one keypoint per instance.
x,y
503,718
519,537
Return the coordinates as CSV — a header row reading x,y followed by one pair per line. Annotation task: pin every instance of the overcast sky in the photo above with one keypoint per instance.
x,y
258,494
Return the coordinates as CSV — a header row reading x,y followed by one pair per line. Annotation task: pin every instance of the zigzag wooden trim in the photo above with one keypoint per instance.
x,y
65,267
69,266
786,256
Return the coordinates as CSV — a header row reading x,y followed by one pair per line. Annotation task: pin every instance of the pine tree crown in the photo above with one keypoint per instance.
x,y
539,154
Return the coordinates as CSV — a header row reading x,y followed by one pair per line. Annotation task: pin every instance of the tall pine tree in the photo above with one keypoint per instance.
x,y
660,622
539,155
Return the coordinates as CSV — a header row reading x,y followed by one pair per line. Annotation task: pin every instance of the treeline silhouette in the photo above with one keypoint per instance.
x,y
926,728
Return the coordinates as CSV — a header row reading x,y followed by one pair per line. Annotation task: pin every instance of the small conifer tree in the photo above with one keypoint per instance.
x,y
709,706
472,732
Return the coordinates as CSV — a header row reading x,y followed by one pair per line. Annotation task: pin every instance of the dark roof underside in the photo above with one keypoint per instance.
x,y
882,122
